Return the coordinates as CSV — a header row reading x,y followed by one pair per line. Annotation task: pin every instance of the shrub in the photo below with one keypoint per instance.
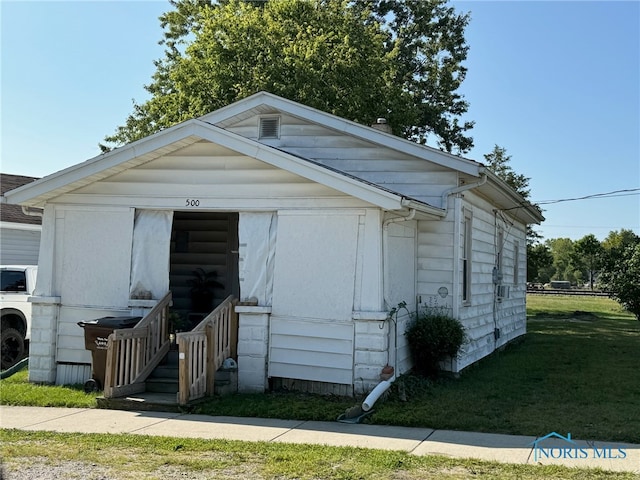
x,y
433,337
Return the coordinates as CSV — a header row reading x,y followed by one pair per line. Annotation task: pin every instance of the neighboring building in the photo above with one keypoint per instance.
x,y
19,232
319,224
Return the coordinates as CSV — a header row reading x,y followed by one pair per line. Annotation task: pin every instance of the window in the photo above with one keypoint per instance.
x,y
269,127
516,263
466,257
500,248
14,281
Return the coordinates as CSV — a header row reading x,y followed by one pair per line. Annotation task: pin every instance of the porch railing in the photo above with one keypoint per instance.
x,y
133,353
203,350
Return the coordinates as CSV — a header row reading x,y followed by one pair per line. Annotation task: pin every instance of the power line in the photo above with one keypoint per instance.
x,y
599,227
615,193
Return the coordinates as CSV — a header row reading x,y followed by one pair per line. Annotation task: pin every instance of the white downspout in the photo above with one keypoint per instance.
x,y
384,385
375,394
460,189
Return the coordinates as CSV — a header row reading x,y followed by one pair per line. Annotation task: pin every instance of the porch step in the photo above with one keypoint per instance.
x,y
147,401
164,378
161,389
162,385
165,371
170,359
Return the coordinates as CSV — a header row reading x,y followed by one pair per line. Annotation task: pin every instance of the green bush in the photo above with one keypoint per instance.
x,y
433,337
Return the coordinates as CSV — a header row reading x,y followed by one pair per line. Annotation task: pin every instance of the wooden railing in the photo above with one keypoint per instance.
x,y
133,353
203,350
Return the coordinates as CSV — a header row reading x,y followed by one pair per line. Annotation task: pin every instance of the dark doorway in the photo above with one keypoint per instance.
x,y
203,243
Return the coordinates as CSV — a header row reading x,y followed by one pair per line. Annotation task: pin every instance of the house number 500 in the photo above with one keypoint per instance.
x,y
192,203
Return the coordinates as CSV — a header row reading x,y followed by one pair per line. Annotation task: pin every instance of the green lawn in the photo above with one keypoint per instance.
x,y
575,371
16,390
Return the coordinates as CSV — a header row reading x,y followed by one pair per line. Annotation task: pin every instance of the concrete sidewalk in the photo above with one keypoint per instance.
x,y
417,441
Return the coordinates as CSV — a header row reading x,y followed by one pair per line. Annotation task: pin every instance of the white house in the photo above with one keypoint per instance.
x,y
324,223
19,231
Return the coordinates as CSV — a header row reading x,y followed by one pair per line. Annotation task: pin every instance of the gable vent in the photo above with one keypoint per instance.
x,y
269,127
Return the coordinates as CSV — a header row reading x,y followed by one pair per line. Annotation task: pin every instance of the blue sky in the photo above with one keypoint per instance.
x,y
555,83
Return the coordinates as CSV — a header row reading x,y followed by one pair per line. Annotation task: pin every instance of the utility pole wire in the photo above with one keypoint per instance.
x,y
615,193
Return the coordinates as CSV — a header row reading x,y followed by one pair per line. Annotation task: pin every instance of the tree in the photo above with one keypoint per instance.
x,y
589,252
539,263
498,162
563,252
357,60
621,276
429,38
620,270
619,240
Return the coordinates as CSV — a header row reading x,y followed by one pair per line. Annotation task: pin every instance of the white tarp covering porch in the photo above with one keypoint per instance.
x,y
150,253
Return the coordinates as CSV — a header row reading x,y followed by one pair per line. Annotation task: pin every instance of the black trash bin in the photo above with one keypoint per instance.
x,y
96,334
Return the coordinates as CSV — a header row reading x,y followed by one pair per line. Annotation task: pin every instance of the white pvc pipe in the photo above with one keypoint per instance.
x,y
371,399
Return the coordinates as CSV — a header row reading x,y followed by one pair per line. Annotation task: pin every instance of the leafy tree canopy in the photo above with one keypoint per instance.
x,y
498,162
589,251
620,276
360,60
564,258
620,240
539,263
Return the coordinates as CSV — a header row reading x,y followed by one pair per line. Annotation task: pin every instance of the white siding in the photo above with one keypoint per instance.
x,y
19,246
439,264
311,350
70,342
435,261
73,373
388,168
486,312
211,178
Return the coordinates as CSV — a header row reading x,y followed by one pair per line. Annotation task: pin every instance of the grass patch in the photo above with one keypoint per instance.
x,y
572,373
145,457
549,306
284,405
16,390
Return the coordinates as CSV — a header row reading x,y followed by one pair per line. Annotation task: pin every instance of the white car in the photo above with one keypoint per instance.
x,y
18,283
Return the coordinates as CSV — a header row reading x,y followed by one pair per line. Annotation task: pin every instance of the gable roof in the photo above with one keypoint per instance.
x,y
189,132
211,127
14,213
264,103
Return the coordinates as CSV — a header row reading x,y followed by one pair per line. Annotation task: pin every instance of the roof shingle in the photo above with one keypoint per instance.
x,y
13,213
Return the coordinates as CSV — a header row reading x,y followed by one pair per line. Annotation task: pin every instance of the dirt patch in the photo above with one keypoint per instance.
x,y
30,468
